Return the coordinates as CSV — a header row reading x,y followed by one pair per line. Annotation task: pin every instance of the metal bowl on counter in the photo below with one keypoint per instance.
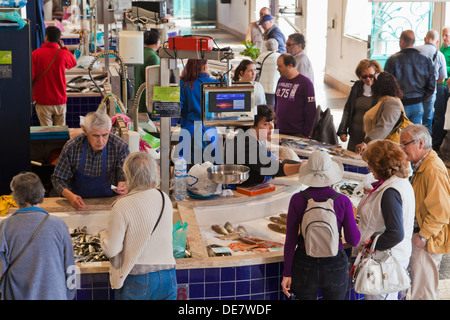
x,y
228,173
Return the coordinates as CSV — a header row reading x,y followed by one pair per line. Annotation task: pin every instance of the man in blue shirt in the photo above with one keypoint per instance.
x,y
272,31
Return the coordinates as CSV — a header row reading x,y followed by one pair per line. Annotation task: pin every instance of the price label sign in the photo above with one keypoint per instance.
x,y
166,102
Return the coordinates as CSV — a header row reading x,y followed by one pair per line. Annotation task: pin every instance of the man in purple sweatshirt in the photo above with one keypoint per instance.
x,y
295,101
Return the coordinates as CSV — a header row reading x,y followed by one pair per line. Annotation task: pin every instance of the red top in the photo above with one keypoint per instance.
x,y
50,89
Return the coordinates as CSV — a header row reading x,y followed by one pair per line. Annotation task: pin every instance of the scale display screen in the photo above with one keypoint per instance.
x,y
229,101
228,105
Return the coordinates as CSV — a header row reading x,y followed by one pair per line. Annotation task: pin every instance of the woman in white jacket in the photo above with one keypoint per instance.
x,y
138,240
389,207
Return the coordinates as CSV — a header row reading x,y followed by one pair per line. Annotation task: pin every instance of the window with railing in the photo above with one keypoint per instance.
x,y
390,19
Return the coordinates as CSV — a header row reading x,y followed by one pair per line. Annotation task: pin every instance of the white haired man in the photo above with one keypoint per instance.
x,y
431,238
91,162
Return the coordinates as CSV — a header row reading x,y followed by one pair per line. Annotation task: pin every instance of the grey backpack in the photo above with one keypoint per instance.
x,y
319,228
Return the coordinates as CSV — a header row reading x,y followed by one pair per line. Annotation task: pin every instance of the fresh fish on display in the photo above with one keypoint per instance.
x,y
277,228
238,246
84,84
240,229
278,220
261,243
231,236
229,227
86,247
219,229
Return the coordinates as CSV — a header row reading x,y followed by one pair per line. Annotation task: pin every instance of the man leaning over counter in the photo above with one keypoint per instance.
x,y
91,162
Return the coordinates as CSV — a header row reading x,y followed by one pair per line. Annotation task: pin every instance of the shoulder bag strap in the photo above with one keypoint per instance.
x,y
162,209
26,246
51,63
262,63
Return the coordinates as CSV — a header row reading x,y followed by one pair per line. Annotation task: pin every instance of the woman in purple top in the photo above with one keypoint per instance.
x,y
303,275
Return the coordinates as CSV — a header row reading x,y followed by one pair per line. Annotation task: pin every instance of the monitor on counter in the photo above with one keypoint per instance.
x,y
228,106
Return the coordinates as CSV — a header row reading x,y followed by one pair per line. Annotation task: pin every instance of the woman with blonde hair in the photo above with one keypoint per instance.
x,y
388,209
359,101
138,240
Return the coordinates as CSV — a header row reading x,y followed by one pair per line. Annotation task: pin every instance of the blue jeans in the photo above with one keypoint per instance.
x,y
440,107
158,285
414,112
428,111
309,274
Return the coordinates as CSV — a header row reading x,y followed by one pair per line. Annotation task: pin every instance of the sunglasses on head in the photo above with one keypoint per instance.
x,y
365,76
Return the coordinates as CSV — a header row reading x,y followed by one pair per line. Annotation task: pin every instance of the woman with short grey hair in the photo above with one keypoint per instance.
x,y
138,240
27,189
49,254
141,171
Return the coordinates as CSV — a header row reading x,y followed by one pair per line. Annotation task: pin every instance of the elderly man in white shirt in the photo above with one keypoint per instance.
x,y
440,66
266,69
295,45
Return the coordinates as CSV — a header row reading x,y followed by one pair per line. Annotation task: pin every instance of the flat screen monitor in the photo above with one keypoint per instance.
x,y
228,106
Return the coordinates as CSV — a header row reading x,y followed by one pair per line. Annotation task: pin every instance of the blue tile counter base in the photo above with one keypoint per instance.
x,y
255,282
76,107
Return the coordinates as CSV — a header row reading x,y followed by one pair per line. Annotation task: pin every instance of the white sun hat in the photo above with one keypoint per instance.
x,y
320,170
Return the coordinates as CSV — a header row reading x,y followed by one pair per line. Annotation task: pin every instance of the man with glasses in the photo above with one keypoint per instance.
x,y
295,45
431,239
415,73
430,50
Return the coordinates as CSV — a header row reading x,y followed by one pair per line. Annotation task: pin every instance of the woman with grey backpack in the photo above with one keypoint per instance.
x,y
316,259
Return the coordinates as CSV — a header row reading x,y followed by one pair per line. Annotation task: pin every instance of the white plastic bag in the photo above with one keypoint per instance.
x,y
199,183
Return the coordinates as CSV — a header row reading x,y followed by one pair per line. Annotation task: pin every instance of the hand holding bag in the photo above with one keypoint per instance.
x,y
380,273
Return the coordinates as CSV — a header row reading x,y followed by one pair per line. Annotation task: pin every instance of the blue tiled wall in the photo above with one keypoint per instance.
x,y
256,282
76,107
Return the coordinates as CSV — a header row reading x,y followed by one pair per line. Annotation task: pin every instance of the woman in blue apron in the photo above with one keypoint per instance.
x,y
192,78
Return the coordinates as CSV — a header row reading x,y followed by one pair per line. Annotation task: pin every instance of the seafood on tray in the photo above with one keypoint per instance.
x,y
244,242
279,223
86,247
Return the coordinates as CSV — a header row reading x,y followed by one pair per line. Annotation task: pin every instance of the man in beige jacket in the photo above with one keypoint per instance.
x,y
431,238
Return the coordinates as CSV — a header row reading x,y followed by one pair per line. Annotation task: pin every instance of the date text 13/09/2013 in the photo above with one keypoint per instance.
x,y
233,309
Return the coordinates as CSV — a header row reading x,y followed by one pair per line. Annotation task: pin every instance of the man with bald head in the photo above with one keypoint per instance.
x,y
415,74
430,50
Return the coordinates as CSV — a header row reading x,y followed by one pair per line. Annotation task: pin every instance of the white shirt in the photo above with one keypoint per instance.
x,y
304,66
269,74
260,96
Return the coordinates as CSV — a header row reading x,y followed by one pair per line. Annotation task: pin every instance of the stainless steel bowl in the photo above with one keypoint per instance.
x,y
228,173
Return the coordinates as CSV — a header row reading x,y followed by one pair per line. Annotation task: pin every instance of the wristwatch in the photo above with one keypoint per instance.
x,y
422,239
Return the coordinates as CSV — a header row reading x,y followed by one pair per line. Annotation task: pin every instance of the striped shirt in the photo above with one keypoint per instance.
x,y
70,158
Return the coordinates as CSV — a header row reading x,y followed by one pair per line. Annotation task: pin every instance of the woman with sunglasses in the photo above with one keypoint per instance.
x,y
380,121
359,101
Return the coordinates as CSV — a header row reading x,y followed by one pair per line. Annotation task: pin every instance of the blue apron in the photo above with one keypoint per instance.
x,y
92,187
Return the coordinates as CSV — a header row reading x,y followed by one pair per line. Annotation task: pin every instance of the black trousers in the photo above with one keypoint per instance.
x,y
309,274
